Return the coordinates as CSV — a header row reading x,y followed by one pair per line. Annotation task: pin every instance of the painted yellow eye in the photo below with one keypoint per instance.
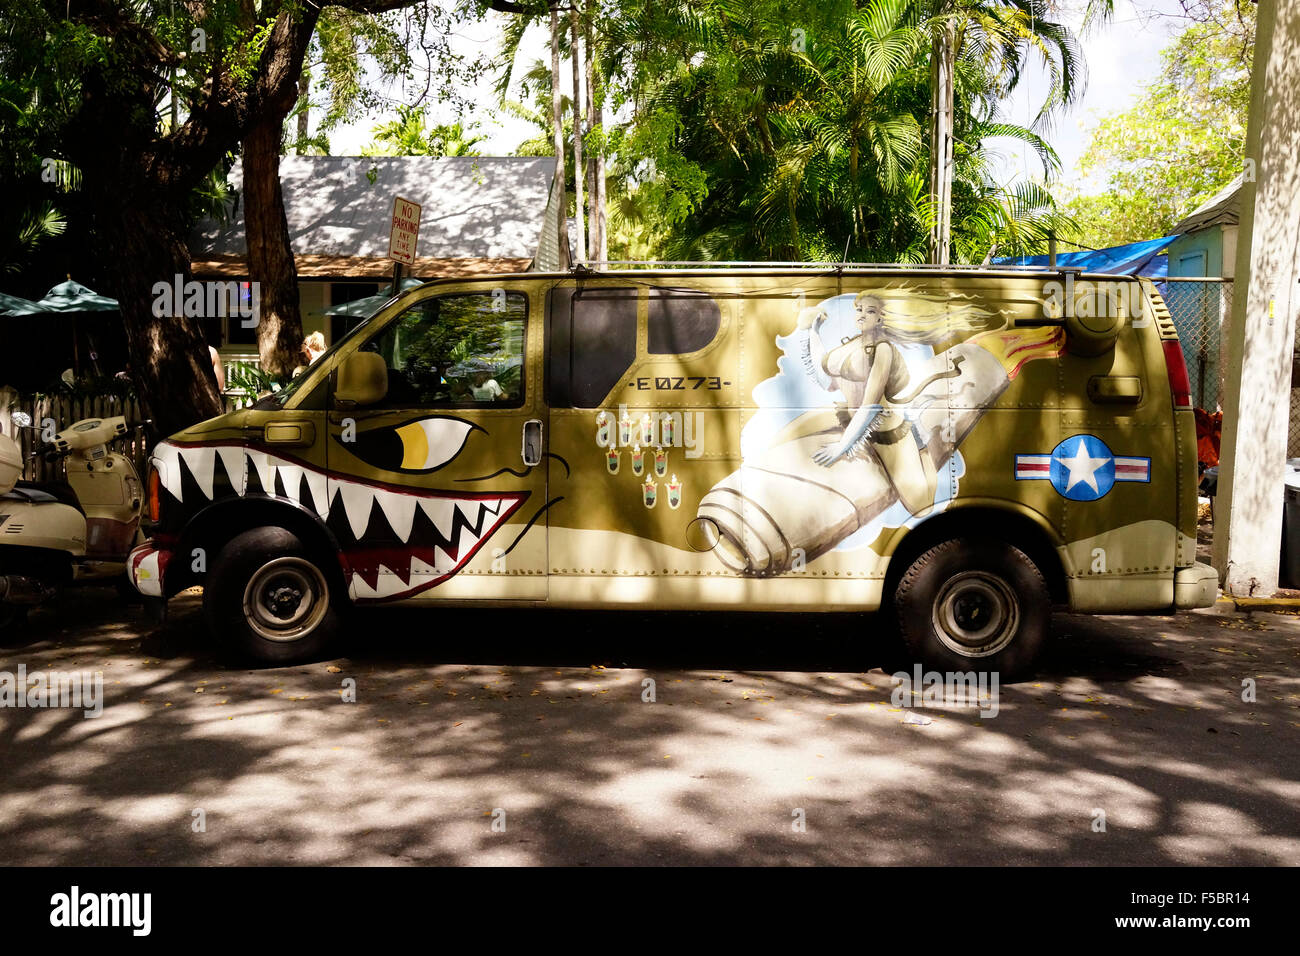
x,y
431,442
424,444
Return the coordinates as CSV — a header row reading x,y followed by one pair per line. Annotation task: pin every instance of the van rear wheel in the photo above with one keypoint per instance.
x,y
974,605
266,598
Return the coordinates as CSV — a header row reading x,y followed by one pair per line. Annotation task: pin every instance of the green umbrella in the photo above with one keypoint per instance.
x,y
15,305
365,308
74,297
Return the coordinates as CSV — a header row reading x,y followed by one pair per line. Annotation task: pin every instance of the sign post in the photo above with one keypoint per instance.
x,y
403,237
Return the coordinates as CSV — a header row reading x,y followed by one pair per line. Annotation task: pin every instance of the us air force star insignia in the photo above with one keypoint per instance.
x,y
1082,468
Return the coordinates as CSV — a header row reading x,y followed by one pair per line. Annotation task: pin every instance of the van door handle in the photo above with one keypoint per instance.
x,y
532,450
1115,389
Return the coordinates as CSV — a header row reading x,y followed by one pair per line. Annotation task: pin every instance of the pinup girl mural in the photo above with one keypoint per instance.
x,y
852,437
872,374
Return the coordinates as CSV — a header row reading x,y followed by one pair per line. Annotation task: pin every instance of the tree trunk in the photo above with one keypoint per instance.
x,y
942,64
142,245
575,56
557,133
598,242
270,256
304,110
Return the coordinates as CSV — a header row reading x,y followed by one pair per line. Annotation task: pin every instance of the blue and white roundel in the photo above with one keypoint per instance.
x,y
1082,468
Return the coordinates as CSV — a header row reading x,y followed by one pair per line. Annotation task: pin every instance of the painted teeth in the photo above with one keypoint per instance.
x,y
388,584
400,512
291,475
357,499
166,458
471,511
200,462
419,568
442,512
265,469
236,470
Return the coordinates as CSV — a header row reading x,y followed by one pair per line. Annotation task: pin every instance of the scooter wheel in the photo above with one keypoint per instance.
x,y
267,599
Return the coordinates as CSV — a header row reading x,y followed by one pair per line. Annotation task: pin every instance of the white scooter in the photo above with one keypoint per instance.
x,y
53,533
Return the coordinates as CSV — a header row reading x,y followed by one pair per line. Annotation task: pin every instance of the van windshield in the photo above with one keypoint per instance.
x,y
278,399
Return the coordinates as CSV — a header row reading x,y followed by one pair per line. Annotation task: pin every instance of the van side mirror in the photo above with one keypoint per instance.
x,y
362,380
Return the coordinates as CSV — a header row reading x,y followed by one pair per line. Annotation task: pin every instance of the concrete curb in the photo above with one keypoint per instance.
x,y
1286,605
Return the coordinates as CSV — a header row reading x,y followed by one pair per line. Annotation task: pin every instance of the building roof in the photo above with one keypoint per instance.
x,y
488,210
1221,209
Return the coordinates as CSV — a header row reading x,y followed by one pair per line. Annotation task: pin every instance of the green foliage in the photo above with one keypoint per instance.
x,y
1182,142
408,135
793,129
248,382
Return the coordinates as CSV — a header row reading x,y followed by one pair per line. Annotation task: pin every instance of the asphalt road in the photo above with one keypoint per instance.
x,y
523,737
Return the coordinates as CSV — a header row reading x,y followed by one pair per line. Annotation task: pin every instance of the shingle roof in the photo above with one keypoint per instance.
x,y
1221,209
486,207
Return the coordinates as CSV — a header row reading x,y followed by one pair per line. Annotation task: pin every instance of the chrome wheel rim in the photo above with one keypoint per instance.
x,y
976,614
286,599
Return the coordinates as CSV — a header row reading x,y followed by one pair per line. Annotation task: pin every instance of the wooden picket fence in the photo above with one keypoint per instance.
x,y
63,411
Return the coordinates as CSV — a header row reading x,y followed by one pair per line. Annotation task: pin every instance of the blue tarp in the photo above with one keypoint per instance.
x,y
1136,258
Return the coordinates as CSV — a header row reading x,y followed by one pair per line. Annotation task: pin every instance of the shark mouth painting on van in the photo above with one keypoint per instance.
x,y
394,541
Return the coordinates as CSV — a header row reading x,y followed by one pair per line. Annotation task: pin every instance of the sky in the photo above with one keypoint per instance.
x,y
1122,57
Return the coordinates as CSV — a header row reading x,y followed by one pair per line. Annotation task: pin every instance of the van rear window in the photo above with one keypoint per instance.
x,y
681,321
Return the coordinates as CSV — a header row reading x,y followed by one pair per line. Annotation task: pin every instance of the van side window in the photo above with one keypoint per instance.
x,y
592,342
461,350
681,321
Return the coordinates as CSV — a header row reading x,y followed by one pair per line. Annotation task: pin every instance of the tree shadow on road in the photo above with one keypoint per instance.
x,y
540,721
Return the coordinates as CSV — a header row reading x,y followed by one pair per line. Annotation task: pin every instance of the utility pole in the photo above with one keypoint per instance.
x,y
1257,386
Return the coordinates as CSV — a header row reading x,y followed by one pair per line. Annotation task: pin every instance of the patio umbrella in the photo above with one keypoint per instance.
x,y
73,297
365,308
16,305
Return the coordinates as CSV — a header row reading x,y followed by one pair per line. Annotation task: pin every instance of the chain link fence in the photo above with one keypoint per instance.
x,y
1199,308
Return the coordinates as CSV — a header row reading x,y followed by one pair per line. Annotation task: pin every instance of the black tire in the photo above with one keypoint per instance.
x,y
969,605
267,598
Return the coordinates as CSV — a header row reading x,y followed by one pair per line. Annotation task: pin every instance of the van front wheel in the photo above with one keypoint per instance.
x,y
266,598
967,605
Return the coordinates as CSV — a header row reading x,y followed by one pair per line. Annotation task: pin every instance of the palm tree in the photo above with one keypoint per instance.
x,y
845,111
995,39
408,135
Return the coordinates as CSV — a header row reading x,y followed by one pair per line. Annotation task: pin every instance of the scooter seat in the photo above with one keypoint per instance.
x,y
48,491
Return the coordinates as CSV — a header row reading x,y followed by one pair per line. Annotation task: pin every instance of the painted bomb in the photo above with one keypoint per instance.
x,y
781,506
